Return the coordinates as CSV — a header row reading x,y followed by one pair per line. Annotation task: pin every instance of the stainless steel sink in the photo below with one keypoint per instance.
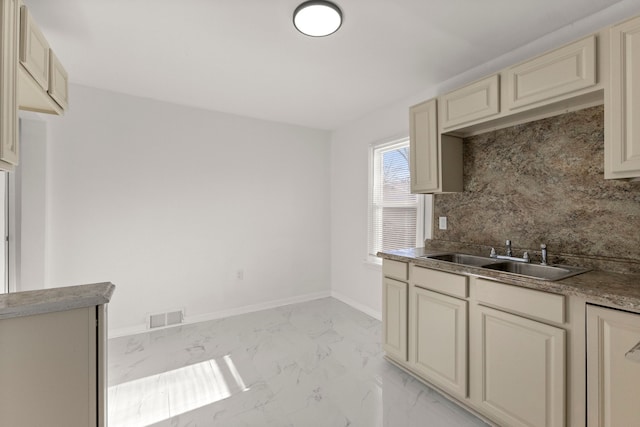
x,y
476,261
536,271
542,272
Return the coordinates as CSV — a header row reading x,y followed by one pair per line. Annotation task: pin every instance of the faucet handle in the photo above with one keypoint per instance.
x,y
493,253
525,256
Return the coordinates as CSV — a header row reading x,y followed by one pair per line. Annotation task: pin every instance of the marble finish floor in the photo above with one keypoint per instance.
x,y
318,363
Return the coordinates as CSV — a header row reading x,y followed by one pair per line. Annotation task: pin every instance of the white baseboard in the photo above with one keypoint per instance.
x,y
358,306
137,329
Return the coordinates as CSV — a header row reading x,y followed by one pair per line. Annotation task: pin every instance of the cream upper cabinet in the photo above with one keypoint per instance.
x,y
9,17
552,75
622,103
423,142
613,367
479,100
34,49
42,80
58,81
435,160
394,308
518,369
438,343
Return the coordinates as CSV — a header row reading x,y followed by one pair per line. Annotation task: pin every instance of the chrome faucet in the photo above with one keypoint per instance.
x,y
543,255
509,256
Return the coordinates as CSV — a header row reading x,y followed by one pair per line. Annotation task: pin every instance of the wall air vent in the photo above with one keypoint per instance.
x,y
169,318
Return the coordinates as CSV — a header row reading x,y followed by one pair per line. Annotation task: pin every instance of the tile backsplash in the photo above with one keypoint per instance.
x,y
543,182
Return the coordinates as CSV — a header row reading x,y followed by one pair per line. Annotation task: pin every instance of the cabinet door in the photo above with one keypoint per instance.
x,y
424,147
34,49
473,102
622,111
613,368
518,372
9,14
58,81
48,369
554,74
394,318
438,344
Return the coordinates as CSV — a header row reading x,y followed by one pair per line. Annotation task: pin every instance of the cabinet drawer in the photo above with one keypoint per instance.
x,y
439,281
396,269
562,71
472,102
541,305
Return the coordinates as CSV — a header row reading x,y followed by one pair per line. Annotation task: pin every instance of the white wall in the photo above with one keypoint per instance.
x,y
352,279
169,202
30,205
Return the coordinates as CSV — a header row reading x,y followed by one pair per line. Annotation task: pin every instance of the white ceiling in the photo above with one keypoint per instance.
x,y
245,57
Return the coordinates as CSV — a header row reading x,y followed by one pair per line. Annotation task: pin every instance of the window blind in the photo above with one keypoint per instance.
x,y
393,210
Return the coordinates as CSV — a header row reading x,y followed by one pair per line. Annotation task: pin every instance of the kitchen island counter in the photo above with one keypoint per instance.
x,y
52,300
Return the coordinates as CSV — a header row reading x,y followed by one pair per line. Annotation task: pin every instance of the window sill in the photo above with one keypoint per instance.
x,y
373,263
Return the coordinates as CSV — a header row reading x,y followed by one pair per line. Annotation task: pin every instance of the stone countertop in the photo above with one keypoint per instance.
x,y
599,287
28,303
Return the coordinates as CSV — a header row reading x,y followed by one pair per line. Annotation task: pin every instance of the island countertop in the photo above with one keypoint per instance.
x,y
599,287
42,301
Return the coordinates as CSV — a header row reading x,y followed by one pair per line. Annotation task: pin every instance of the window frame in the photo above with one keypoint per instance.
x,y
424,202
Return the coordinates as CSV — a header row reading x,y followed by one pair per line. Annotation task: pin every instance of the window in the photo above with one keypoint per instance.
x,y
396,217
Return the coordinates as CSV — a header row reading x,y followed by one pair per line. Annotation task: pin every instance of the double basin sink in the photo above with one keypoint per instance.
x,y
536,271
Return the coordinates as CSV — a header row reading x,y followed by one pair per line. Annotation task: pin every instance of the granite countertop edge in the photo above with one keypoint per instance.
x,y
51,300
616,290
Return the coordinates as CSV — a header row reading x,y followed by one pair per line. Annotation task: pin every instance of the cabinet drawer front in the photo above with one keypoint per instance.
x,y
34,49
562,71
396,269
541,305
446,283
473,102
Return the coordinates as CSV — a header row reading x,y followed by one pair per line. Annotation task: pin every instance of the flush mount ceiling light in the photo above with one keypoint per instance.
x,y
317,18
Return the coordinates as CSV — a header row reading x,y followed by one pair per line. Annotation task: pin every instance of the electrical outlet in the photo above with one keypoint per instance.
x,y
442,221
240,274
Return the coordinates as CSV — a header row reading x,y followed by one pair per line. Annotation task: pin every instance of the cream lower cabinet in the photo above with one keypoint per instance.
x,y
518,369
395,309
52,367
501,350
613,367
438,339
395,318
